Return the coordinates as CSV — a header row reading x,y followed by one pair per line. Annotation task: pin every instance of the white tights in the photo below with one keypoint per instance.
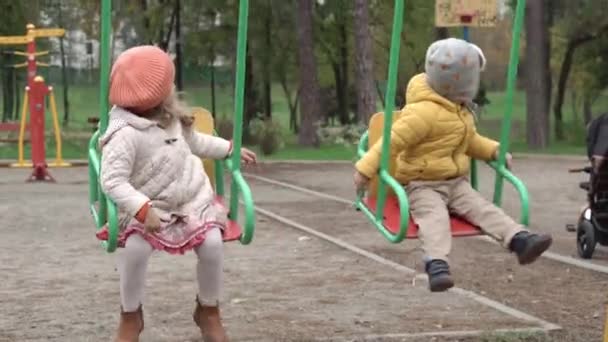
x,y
133,262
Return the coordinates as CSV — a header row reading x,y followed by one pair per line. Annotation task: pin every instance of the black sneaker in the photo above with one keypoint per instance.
x,y
529,247
439,275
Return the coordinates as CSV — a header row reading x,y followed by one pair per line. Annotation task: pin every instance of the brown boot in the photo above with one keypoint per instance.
x,y
208,320
130,326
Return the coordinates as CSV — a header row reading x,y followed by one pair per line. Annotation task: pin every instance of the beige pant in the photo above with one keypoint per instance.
x,y
431,202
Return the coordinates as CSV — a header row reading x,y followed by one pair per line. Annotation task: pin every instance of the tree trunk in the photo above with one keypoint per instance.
x,y
213,90
266,68
587,111
291,104
179,80
251,97
64,78
364,63
537,91
165,38
146,21
309,84
8,82
343,86
18,89
564,73
561,90
550,18
340,95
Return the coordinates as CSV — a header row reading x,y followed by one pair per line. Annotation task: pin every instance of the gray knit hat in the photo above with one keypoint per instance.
x,y
452,69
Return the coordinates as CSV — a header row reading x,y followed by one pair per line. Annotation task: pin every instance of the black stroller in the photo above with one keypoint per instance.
x,y
592,225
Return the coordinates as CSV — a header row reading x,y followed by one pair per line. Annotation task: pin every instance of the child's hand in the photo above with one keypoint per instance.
x,y
152,222
508,159
248,156
361,181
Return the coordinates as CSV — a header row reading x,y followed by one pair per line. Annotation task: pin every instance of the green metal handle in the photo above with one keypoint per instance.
x,y
362,147
404,209
112,241
107,212
93,169
240,186
219,177
404,206
504,173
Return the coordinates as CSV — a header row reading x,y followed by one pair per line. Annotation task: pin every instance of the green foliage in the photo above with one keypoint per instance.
x,y
13,19
348,135
224,128
268,135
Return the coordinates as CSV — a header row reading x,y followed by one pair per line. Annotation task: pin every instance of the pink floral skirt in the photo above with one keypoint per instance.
x,y
180,234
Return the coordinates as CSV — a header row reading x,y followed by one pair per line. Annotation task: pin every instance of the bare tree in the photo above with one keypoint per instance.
x,y
309,84
537,68
366,96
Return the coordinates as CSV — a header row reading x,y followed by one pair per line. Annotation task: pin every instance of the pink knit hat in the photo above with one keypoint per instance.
x,y
141,78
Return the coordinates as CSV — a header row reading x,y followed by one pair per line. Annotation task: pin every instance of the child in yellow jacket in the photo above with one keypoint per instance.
x,y
434,139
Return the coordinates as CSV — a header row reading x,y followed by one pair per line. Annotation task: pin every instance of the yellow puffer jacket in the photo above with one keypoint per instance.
x,y
433,138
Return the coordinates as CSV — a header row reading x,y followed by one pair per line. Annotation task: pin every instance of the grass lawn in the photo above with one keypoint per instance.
x,y
84,102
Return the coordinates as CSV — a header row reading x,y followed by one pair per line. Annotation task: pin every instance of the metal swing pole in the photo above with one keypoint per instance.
x,y
104,67
511,80
389,106
474,174
239,185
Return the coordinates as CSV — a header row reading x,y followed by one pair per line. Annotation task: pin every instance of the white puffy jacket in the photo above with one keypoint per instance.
x,y
143,162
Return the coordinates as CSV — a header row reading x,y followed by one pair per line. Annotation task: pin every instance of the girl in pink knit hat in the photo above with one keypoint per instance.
x,y
151,168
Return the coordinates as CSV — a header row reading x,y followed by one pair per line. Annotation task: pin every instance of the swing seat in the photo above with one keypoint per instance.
x,y
392,216
232,231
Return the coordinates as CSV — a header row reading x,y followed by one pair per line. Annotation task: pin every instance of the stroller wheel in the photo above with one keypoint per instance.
x,y
585,239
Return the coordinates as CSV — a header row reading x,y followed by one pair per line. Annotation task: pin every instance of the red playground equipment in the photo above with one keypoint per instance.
x,y
34,100
37,93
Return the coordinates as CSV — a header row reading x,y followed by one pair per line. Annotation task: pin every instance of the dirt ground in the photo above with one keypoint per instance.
x,y
59,285
569,296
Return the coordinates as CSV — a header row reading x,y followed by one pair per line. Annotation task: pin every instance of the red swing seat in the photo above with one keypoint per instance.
x,y
460,227
232,231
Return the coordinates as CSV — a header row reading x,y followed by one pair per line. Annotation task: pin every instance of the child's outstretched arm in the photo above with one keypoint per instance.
x,y
207,146
481,147
485,149
411,127
116,168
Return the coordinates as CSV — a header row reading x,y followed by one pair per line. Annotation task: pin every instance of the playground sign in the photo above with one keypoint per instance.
x,y
470,13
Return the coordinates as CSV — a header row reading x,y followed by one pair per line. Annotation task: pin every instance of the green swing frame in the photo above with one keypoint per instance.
x,y
376,217
102,208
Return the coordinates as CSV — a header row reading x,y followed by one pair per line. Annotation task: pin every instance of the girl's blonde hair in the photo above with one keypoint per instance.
x,y
172,108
